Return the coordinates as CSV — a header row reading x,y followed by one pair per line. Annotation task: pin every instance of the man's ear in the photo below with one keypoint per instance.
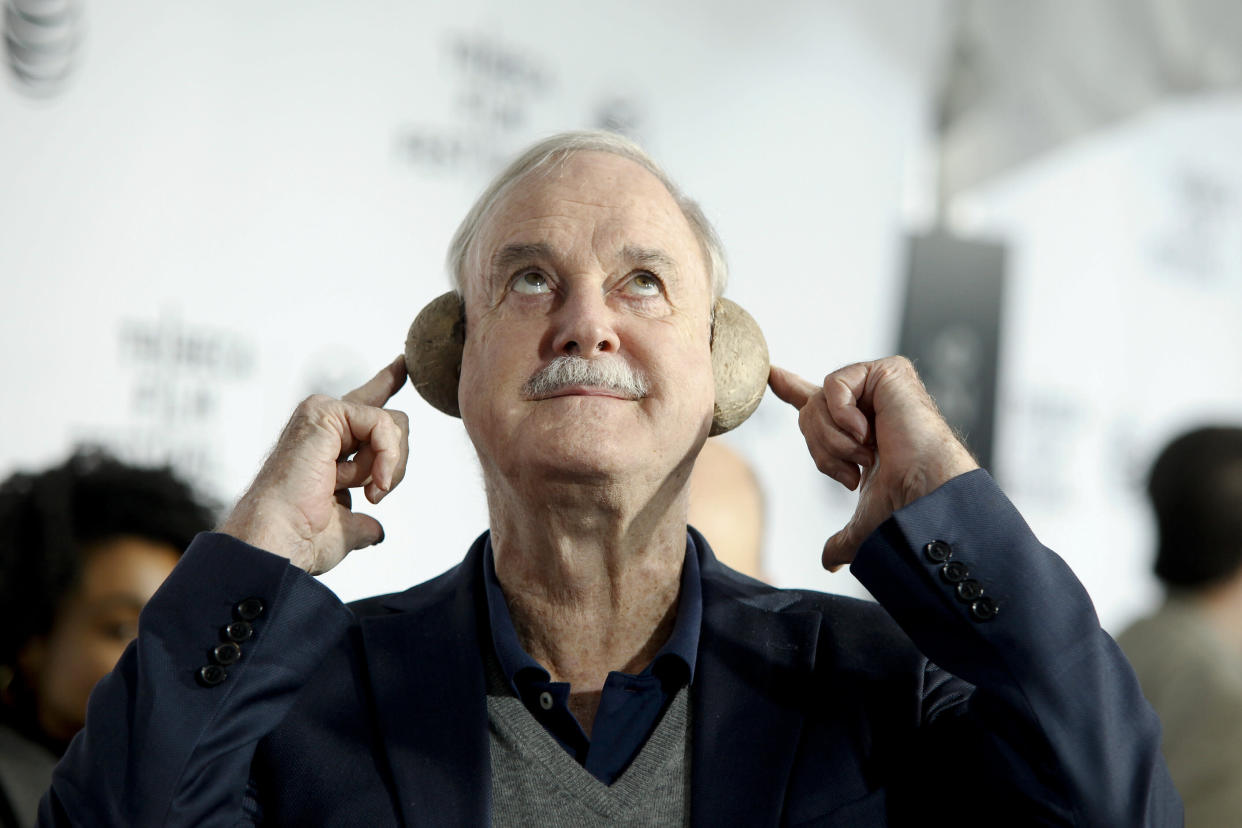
x,y
437,337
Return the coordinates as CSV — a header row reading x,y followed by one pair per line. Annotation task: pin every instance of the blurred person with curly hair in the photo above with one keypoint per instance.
x,y
83,546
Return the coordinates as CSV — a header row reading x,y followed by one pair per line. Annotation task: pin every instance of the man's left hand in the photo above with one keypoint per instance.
x,y
873,424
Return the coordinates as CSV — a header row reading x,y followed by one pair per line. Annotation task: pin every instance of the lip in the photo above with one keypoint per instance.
x,y
585,391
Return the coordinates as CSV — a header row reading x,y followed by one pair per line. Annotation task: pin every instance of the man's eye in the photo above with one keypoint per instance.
x,y
643,284
531,281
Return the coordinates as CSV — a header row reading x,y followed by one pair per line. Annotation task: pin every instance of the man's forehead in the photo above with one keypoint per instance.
x,y
627,210
588,185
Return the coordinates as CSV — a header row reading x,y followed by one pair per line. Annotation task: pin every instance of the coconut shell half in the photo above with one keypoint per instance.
x,y
433,351
739,366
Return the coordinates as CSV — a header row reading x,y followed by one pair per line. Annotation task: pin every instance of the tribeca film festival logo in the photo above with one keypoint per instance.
x,y
177,374
500,93
41,42
496,88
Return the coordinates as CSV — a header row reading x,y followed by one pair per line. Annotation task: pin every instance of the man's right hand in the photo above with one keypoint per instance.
x,y
299,505
873,425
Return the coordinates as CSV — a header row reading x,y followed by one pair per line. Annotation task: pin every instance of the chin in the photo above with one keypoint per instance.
x,y
588,455
591,440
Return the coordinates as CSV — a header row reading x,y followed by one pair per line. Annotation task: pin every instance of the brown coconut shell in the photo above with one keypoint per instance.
x,y
433,351
739,366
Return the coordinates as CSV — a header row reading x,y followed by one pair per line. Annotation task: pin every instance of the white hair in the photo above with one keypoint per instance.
x,y
549,153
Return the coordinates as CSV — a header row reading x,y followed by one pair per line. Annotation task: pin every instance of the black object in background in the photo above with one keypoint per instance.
x,y
951,330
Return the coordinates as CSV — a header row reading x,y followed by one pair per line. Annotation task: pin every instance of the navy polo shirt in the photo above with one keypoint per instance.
x,y
630,706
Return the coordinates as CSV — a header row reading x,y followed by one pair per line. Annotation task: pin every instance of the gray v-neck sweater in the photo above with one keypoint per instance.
x,y
536,782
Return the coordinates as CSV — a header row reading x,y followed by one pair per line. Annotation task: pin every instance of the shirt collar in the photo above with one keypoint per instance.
x,y
682,646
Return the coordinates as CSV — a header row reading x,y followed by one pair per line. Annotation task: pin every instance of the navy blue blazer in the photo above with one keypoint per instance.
x,y
806,708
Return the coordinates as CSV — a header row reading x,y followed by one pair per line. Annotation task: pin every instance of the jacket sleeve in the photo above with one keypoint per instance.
x,y
171,731
1057,713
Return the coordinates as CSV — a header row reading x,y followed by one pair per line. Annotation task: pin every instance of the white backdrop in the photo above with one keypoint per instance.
x,y
233,205
1124,327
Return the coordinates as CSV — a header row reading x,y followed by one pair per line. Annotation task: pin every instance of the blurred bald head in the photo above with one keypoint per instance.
x,y
726,505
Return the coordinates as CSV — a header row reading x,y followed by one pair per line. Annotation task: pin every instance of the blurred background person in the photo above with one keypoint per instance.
x,y
83,546
727,506
1188,654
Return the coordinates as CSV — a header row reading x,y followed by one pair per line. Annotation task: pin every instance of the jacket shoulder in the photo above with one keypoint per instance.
x,y
439,588
454,584
855,633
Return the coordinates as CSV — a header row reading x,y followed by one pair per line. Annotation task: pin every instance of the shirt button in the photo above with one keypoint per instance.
x,y
545,700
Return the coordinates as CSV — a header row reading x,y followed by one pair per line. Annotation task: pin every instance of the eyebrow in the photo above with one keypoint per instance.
x,y
514,255
648,257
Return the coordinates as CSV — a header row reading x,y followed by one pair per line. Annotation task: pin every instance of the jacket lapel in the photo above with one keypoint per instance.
x,y
753,671
753,668
427,679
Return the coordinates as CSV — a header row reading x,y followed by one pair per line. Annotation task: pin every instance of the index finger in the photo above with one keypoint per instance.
x,y
790,387
379,389
844,390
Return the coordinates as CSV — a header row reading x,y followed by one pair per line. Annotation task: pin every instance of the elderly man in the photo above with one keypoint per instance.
x,y
589,661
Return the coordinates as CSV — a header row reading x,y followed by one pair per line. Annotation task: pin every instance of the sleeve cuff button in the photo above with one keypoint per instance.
x,y
249,609
954,572
238,631
211,675
985,609
226,653
969,590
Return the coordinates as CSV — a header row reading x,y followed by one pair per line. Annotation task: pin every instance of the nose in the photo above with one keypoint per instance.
x,y
585,325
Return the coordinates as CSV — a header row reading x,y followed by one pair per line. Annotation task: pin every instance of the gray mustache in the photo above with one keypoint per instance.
x,y
567,371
